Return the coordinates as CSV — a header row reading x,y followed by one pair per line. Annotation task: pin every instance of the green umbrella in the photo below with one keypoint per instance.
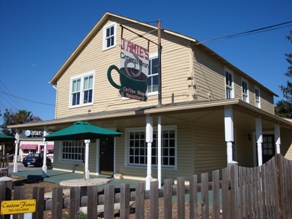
x,y
80,131
6,138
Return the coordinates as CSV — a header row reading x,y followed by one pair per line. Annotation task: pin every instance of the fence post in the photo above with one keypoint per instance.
x,y
280,186
5,192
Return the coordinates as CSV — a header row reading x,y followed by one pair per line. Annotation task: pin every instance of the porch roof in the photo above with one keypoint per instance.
x,y
189,106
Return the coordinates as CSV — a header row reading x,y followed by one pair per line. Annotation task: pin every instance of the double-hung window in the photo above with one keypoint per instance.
x,y
229,84
153,75
109,36
244,85
72,150
137,147
82,89
257,97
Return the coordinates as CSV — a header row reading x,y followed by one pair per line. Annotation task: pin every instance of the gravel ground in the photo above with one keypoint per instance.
x,y
49,186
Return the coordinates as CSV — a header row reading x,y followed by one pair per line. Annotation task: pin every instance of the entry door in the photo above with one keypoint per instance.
x,y
268,147
106,156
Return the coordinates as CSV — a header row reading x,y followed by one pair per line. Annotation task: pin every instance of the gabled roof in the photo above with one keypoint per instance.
x,y
108,15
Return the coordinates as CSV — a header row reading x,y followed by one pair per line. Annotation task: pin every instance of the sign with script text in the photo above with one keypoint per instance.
x,y
133,71
18,206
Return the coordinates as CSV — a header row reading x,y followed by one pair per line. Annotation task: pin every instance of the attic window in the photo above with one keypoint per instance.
x,y
109,36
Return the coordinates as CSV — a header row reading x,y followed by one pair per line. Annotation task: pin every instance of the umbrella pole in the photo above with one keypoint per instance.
x,y
86,171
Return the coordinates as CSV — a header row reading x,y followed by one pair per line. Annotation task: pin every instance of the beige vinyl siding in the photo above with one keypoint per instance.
x,y
208,75
237,86
184,157
70,165
286,143
65,165
252,94
175,68
92,158
244,148
210,148
267,101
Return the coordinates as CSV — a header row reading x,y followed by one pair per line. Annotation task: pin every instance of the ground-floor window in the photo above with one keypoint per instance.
x,y
137,147
72,150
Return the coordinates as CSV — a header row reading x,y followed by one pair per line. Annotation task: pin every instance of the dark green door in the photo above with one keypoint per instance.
x,y
106,156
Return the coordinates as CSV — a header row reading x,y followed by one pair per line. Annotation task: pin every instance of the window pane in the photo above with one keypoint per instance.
x,y
76,85
138,153
87,96
154,66
87,84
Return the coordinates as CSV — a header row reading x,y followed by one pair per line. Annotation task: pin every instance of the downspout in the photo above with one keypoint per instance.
x,y
56,88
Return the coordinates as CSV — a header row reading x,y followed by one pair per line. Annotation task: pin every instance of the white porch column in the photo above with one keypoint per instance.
x,y
277,138
15,164
149,140
259,139
44,168
229,131
159,152
86,170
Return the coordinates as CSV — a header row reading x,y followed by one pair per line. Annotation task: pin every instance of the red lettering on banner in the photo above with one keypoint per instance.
x,y
135,49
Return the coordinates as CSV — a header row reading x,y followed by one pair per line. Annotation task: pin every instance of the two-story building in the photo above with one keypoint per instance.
x,y
210,113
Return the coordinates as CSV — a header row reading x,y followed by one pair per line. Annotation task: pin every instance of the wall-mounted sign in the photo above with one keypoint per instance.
x,y
18,206
29,133
133,71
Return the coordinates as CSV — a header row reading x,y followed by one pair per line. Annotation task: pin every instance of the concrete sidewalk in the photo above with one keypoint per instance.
x,y
56,176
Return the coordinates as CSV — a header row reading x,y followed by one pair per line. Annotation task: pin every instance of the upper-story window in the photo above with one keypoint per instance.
x,y
244,86
153,74
109,36
81,89
229,85
257,95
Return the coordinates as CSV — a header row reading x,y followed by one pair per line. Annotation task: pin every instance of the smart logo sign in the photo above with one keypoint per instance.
x,y
133,71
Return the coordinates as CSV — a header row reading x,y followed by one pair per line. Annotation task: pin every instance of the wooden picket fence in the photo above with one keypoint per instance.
x,y
4,164
233,192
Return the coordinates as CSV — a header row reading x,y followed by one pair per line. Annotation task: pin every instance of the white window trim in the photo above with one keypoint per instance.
x,y
255,100
247,87
151,56
81,89
232,84
104,46
61,153
127,130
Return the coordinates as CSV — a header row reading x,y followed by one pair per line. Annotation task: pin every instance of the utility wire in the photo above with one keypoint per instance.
x,y
258,30
14,100
32,101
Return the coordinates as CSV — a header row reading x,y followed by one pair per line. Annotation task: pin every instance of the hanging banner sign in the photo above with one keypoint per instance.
x,y
133,71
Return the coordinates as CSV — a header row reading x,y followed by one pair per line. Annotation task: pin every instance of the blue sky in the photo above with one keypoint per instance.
x,y
37,36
